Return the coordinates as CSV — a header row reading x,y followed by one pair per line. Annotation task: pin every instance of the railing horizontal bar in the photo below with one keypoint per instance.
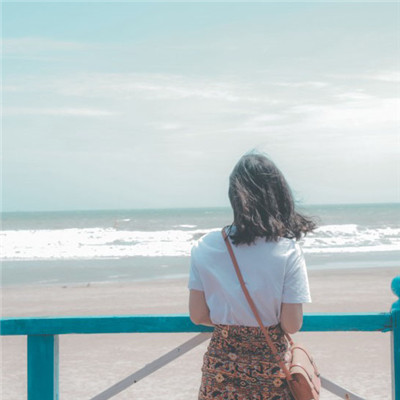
x,y
100,324
368,322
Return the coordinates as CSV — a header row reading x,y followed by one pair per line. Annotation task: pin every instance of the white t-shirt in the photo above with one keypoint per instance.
x,y
274,273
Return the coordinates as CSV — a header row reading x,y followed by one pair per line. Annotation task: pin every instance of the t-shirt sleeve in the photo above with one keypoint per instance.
x,y
295,287
194,276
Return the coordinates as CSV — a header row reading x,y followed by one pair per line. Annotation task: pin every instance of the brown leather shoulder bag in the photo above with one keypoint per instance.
x,y
301,372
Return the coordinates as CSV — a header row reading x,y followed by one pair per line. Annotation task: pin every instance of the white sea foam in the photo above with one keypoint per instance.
x,y
350,238
91,243
94,243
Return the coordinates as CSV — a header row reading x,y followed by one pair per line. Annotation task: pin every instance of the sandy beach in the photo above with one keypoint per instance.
x,y
91,363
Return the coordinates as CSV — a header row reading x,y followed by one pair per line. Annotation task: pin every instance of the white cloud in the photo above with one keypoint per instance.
x,y
376,112
142,86
153,86
311,84
384,76
192,108
79,112
356,95
387,76
349,121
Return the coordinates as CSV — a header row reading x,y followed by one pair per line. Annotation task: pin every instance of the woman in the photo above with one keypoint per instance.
x,y
238,364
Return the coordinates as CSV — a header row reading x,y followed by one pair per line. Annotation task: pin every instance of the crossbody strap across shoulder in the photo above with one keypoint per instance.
x,y
254,309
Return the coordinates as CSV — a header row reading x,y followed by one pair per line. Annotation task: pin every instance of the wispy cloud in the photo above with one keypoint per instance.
x,y
195,106
142,86
38,45
352,117
353,95
388,76
153,86
78,112
383,76
367,114
168,126
310,84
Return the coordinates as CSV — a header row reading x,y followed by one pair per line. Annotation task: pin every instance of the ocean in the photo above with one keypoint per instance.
x,y
80,247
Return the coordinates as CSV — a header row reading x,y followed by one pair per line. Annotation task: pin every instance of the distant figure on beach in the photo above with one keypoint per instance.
x,y
238,363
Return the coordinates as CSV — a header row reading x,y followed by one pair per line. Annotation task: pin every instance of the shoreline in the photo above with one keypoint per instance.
x,y
332,290
184,277
125,270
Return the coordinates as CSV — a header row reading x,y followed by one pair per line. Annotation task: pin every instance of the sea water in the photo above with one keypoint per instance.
x,y
122,245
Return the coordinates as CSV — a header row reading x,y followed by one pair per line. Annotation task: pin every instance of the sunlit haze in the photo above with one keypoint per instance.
x,y
141,105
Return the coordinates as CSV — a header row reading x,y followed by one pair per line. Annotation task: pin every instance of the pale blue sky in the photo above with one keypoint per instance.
x,y
132,105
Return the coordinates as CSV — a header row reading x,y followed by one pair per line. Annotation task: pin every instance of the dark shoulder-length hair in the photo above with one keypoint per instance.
x,y
262,203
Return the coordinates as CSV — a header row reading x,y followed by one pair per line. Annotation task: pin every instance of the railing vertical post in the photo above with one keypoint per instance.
x,y
43,367
395,340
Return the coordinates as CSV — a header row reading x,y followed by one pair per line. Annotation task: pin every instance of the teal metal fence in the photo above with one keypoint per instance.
x,y
42,337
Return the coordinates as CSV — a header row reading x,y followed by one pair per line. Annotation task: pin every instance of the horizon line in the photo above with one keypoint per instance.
x,y
300,205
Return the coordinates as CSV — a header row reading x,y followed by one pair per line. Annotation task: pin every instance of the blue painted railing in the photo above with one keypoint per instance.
x,y
42,334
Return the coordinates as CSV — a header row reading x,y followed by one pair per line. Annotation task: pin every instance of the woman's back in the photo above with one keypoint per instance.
x,y
274,273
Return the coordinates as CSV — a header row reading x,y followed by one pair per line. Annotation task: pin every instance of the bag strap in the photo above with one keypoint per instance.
x,y
254,309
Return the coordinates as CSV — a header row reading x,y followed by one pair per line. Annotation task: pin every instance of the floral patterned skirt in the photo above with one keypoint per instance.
x,y
239,365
